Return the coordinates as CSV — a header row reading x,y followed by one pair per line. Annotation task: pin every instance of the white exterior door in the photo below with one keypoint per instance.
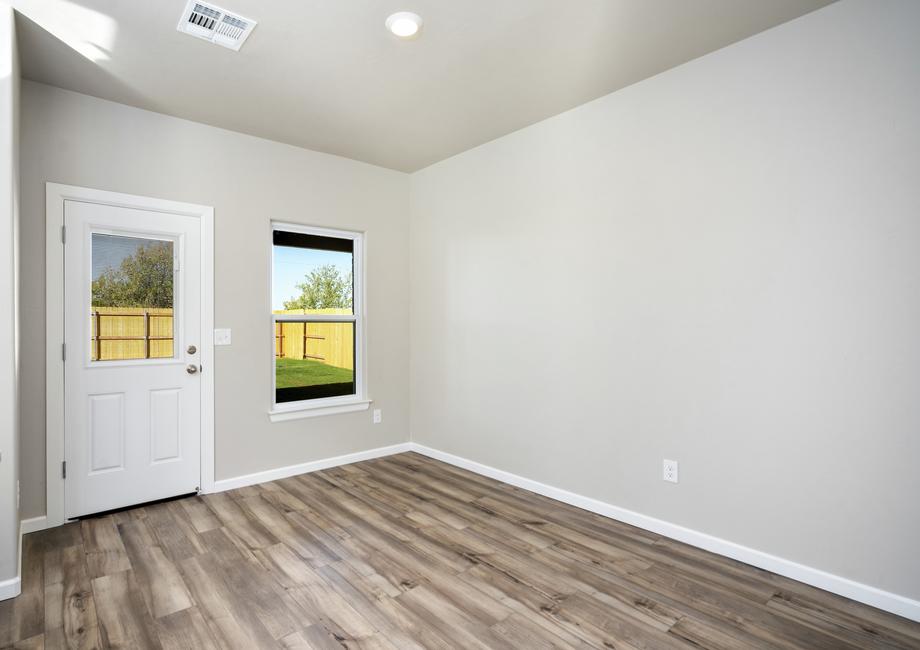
x,y
132,333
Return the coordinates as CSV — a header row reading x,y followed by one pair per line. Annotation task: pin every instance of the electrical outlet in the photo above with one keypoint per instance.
x,y
670,471
378,416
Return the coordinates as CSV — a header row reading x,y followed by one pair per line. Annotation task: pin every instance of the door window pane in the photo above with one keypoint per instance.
x,y
131,311
314,360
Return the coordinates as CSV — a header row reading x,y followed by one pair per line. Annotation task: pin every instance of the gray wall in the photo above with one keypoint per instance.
x,y
9,379
717,265
75,139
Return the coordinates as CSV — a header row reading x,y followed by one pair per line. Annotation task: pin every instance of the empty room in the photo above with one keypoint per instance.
x,y
514,324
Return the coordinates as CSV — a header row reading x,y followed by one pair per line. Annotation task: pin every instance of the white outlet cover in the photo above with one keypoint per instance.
x,y
378,416
222,337
669,471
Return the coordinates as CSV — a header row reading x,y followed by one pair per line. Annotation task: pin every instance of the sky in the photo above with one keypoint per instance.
x,y
293,264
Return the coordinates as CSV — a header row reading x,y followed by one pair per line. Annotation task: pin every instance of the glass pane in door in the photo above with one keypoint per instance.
x,y
131,311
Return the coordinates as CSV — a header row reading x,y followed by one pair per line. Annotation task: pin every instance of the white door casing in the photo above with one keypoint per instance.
x,y
130,430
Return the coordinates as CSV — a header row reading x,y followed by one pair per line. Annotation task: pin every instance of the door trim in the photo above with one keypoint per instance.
x,y
55,196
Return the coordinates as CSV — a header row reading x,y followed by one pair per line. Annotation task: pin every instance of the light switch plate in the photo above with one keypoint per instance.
x,y
222,337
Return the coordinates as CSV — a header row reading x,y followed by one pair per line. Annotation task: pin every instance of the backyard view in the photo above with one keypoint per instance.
x,y
132,311
306,372
131,315
312,359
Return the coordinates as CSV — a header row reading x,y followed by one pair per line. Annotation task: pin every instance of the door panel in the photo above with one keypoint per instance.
x,y
131,311
106,432
165,425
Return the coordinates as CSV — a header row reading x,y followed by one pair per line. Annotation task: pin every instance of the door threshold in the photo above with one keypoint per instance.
x,y
113,511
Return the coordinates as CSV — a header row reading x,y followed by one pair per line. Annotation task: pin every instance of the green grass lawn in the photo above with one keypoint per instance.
x,y
292,373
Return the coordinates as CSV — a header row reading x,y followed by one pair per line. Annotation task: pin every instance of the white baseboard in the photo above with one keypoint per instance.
x,y
890,602
10,588
33,525
306,468
900,605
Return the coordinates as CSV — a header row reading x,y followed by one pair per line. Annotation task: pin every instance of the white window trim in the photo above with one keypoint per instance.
x,y
328,405
317,410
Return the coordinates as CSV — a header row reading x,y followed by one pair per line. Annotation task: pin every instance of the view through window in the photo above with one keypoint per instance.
x,y
131,311
314,314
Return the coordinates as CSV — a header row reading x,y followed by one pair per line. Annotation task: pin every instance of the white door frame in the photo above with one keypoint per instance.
x,y
55,195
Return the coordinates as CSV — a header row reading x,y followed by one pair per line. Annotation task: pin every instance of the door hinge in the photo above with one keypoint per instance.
x,y
63,352
64,469
63,234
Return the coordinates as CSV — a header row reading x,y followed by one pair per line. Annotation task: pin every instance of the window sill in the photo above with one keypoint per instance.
x,y
318,410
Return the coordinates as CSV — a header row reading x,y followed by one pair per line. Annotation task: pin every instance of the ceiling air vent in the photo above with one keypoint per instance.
x,y
211,23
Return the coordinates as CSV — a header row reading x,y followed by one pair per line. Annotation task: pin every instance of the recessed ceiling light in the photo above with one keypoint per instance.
x,y
404,24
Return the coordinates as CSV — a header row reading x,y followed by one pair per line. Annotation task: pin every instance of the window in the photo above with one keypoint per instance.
x,y
131,297
317,319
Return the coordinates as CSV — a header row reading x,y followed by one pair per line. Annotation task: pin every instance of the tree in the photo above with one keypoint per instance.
x,y
144,279
325,288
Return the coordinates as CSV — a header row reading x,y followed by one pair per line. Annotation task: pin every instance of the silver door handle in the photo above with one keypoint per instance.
x,y
191,368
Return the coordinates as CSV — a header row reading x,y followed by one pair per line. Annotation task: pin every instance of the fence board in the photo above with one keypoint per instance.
x,y
330,343
122,332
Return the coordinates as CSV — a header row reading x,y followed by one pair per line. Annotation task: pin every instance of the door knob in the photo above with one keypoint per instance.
x,y
191,368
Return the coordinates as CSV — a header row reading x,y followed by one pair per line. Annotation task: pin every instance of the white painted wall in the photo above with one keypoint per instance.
x,y
717,265
9,374
79,140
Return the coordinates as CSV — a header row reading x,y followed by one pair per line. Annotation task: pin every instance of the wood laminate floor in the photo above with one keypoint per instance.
x,y
406,552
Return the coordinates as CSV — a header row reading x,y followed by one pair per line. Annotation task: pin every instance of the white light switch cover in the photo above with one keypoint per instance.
x,y
222,337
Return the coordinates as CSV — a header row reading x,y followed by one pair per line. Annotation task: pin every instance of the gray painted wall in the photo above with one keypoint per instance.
x,y
717,265
9,373
697,267
79,140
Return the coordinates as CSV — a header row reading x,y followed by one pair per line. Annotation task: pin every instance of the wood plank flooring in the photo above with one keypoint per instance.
x,y
406,552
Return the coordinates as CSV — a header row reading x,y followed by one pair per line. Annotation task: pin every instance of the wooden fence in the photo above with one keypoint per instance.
x,y
137,333
131,333
329,343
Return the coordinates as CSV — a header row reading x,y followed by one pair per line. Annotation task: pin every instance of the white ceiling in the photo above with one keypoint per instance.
x,y
325,75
